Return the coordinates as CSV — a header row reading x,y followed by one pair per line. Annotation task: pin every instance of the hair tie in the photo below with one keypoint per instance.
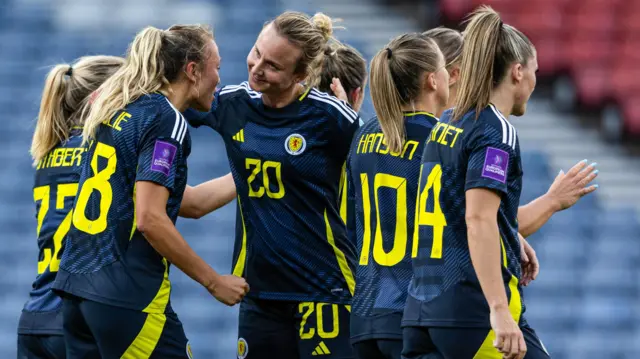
x,y
501,24
69,72
389,53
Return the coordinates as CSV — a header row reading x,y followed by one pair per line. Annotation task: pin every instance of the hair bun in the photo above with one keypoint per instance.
x,y
323,23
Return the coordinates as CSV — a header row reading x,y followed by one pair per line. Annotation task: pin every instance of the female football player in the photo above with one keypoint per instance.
x,y
408,83
464,298
58,155
114,273
287,144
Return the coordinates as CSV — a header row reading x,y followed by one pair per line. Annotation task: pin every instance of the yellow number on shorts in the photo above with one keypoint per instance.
x,y
399,249
42,193
256,165
99,182
307,308
435,219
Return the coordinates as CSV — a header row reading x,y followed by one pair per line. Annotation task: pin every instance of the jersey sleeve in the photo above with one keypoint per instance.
x,y
492,155
349,122
210,119
161,148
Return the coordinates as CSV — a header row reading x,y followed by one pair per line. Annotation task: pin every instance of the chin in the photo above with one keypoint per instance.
x,y
519,111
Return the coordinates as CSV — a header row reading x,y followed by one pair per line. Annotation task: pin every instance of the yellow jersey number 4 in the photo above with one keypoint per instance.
x,y
43,194
98,182
436,219
266,167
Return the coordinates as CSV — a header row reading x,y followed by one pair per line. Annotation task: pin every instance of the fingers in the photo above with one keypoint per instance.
x,y
587,190
588,178
499,342
577,168
522,346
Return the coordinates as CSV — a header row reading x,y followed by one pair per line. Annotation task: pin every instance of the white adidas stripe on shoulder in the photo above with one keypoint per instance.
x,y
243,86
336,100
180,125
508,131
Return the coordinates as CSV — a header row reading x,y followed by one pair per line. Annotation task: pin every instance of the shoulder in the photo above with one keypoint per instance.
x,y
159,113
333,107
241,91
496,127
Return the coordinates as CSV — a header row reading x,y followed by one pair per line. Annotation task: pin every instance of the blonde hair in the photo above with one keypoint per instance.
x,y
154,60
310,34
66,90
490,47
450,43
396,80
341,61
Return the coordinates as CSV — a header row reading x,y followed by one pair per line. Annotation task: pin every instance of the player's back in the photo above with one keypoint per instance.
x,y
107,259
54,190
459,156
383,187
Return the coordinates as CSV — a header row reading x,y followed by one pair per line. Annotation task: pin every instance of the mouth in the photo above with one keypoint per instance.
x,y
257,79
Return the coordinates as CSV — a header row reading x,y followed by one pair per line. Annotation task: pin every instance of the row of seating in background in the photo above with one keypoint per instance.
x,y
590,48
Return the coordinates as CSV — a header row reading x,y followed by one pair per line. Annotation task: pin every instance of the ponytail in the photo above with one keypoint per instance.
x,y
53,125
386,101
143,73
396,81
489,48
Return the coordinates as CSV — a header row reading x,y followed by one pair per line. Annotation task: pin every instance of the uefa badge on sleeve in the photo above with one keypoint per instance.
x,y
243,348
295,144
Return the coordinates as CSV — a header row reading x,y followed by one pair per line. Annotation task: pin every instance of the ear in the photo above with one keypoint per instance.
x,y
355,95
454,75
430,82
192,71
517,72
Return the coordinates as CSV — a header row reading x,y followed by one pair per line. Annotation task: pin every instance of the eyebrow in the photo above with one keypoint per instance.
x,y
270,62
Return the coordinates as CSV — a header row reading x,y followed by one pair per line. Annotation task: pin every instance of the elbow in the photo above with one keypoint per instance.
x,y
193,213
147,221
477,223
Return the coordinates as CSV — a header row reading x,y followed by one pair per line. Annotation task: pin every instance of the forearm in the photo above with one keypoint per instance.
x,y
207,197
485,250
163,236
532,216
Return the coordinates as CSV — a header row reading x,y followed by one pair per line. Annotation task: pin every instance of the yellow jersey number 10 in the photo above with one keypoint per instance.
x,y
98,182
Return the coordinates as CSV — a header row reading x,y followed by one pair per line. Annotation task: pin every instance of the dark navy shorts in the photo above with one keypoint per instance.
x,y
462,343
293,330
96,330
378,349
32,346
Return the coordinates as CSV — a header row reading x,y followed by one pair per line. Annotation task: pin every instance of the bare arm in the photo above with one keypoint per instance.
x,y
206,197
564,192
156,226
484,244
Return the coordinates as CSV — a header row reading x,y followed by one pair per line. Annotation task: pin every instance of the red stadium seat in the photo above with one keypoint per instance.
x,y
625,78
592,84
455,10
631,113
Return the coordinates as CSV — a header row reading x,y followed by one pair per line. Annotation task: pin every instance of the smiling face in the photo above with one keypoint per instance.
x,y
272,62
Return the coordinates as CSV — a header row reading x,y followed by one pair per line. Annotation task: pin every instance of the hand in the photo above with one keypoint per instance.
x,y
338,90
528,261
229,289
568,188
509,339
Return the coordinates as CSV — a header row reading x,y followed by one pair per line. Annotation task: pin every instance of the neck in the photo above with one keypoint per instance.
x,y
422,104
177,94
502,99
282,99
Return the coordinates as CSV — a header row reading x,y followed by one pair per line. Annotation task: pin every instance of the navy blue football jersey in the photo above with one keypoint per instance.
x,y
107,259
287,164
459,156
382,187
54,190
